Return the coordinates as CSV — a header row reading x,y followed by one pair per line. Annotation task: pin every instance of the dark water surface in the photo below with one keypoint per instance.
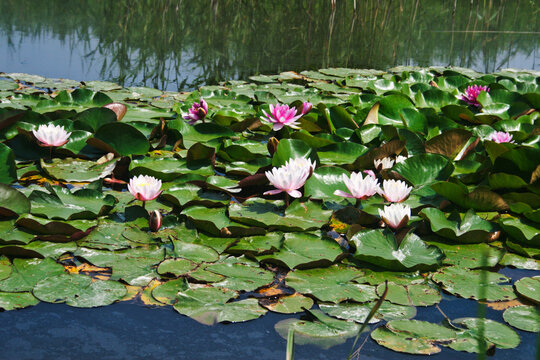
x,y
131,331
177,45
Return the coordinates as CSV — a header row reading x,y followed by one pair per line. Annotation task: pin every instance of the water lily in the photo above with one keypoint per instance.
x,y
197,112
370,173
50,135
288,179
384,163
360,187
395,215
401,158
144,187
471,94
306,107
281,115
301,163
501,137
395,190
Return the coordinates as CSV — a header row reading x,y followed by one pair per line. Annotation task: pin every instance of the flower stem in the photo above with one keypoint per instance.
x,y
286,200
144,204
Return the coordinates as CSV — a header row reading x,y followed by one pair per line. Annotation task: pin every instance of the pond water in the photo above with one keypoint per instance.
x,y
179,45
130,330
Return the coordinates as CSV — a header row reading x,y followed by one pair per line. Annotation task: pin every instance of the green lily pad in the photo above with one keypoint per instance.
x,y
194,252
470,256
422,330
323,331
411,294
134,266
241,276
177,267
520,262
467,228
13,201
288,304
5,268
79,290
77,170
424,169
324,181
474,284
17,300
494,332
166,292
8,170
28,272
359,312
257,245
299,216
523,317
529,288
524,231
402,342
302,250
332,284
62,204
379,247
208,305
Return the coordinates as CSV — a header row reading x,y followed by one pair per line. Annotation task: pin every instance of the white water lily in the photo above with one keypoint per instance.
x,y
144,187
395,190
384,163
288,178
50,135
300,163
401,158
360,187
395,215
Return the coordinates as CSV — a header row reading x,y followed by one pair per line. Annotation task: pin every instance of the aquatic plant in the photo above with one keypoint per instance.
x,y
51,135
359,187
288,178
395,215
144,187
395,190
306,107
501,137
198,111
384,163
471,93
282,115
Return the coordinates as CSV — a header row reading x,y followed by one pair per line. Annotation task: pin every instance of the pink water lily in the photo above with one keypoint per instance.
x,y
370,173
395,190
281,115
360,187
197,112
50,135
144,187
395,215
501,137
287,179
471,94
306,107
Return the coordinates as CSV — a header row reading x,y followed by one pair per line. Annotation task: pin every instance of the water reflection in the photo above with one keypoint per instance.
x,y
182,44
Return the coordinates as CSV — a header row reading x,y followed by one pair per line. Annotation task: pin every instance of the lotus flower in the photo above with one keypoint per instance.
x,y
360,188
281,115
301,163
50,135
384,163
395,190
395,215
288,179
501,137
306,107
144,187
197,112
471,93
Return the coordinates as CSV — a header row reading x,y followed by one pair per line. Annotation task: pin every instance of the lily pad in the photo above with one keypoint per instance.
x,y
380,248
12,201
28,272
402,342
79,290
523,317
529,288
359,312
411,294
17,300
475,284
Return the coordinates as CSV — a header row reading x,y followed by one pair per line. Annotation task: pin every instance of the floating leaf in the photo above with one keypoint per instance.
x,y
529,288
412,295
523,317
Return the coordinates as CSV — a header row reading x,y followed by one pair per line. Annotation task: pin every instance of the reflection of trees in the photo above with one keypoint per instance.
x,y
159,41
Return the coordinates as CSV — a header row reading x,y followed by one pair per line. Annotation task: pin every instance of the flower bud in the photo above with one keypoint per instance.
x,y
272,145
154,220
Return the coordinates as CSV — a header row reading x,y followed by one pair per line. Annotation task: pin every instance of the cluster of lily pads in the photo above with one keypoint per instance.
x,y
314,193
